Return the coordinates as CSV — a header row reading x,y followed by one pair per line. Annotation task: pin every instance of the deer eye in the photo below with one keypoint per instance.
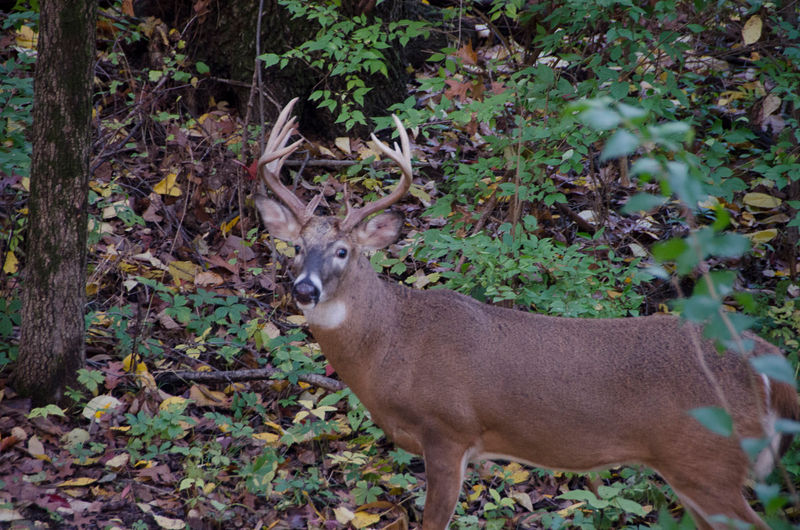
x,y
341,253
297,249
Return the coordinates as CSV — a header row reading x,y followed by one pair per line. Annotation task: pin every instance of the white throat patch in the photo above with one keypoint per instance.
x,y
326,315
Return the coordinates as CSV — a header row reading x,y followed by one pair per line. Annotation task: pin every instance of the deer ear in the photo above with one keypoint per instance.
x,y
279,220
378,232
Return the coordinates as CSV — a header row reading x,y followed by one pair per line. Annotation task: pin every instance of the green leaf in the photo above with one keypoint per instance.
x,y
787,426
45,411
622,143
699,308
775,367
202,68
630,506
646,166
715,419
601,119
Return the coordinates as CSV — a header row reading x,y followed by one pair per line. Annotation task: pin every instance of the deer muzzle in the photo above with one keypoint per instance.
x,y
305,292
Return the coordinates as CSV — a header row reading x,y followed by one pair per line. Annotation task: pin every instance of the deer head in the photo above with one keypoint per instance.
x,y
325,246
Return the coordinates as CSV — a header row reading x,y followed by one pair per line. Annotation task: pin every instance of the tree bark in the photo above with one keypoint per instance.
x,y
52,346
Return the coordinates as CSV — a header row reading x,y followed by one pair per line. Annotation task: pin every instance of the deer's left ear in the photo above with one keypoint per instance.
x,y
378,232
279,220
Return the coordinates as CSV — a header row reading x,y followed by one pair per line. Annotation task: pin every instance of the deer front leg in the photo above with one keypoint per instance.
x,y
445,464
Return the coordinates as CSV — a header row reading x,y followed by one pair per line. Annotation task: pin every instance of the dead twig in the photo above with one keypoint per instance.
x,y
234,376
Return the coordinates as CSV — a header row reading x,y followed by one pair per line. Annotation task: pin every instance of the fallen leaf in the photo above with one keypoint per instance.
x,y
169,523
523,499
268,437
761,200
206,278
297,320
119,461
204,397
184,271
100,405
364,519
343,515
77,482
762,236
7,515
36,449
343,143
168,187
751,31
173,401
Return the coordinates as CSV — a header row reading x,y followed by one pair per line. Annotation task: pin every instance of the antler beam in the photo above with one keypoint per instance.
x,y
275,154
402,156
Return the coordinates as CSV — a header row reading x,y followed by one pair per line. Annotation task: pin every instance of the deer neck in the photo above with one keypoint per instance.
x,y
354,321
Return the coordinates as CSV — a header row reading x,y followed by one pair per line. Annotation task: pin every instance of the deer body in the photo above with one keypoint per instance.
x,y
456,380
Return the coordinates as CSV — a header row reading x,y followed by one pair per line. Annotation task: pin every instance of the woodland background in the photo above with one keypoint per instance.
x,y
583,158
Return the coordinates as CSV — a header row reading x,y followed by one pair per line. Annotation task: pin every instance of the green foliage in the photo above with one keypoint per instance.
x,y
345,51
9,319
153,435
534,273
16,102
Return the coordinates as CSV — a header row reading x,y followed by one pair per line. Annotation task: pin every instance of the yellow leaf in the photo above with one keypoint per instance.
x,y
127,365
476,492
762,236
761,200
343,143
227,227
518,473
183,270
26,38
284,248
172,401
90,461
297,320
11,264
168,187
267,437
205,397
364,519
77,482
751,31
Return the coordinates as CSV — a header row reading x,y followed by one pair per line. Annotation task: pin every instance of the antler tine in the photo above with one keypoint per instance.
x,y
402,156
275,154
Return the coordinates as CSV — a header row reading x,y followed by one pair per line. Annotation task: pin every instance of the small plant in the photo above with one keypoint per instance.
x,y
345,51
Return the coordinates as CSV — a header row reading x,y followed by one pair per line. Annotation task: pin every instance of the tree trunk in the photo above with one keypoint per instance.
x,y
53,294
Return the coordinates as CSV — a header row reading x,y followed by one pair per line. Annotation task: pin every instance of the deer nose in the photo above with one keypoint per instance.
x,y
305,292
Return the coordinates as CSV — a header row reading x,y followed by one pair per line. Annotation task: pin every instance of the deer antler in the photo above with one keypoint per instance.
x,y
403,159
275,154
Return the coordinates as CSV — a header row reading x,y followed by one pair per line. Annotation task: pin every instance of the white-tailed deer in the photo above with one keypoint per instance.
x,y
456,380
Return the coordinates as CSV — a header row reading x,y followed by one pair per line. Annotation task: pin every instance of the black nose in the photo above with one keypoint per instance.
x,y
305,292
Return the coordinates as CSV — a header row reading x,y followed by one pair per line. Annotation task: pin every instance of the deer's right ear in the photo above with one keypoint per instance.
x,y
279,220
380,231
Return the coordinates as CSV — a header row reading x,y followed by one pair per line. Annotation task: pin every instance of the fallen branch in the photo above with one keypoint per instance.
x,y
234,376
